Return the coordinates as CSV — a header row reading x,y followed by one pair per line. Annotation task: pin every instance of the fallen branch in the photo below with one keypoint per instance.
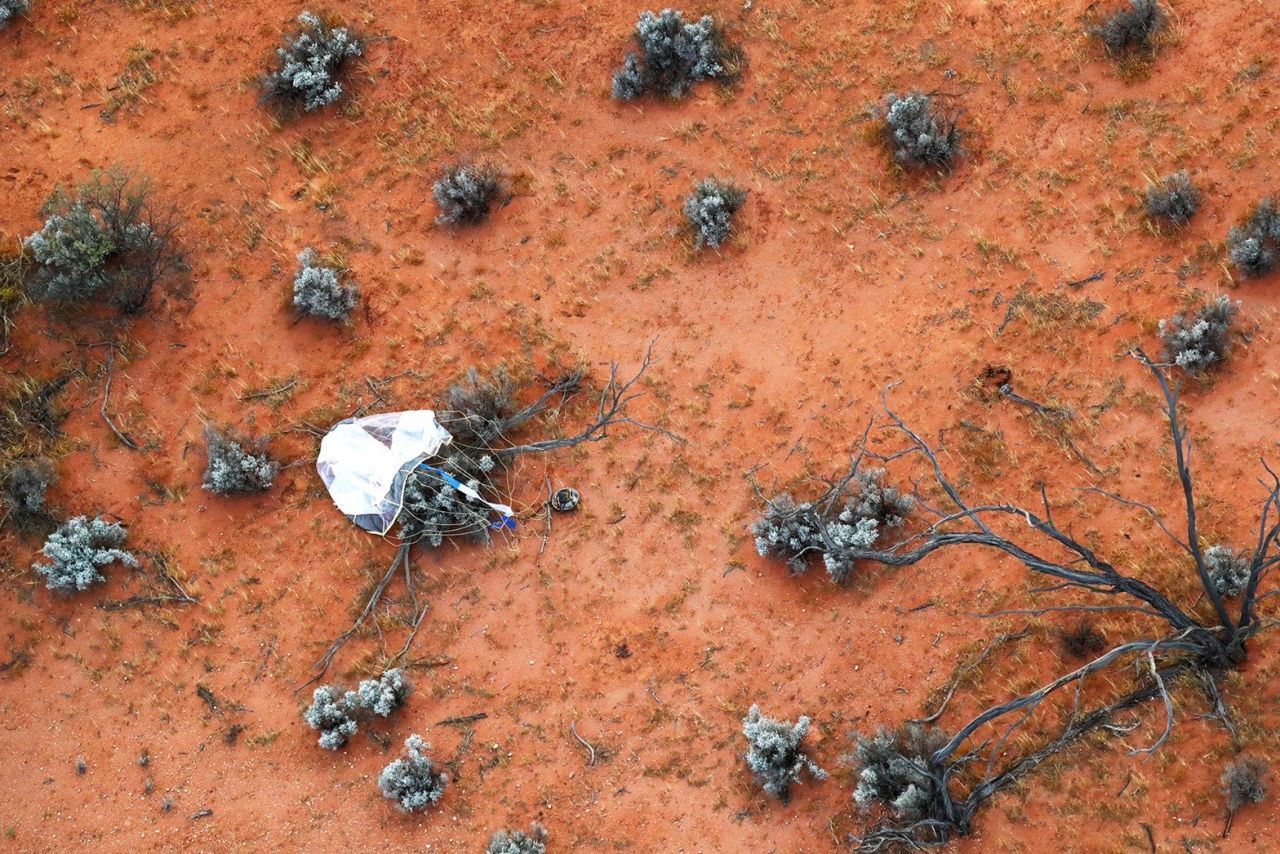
x,y
591,751
102,410
322,666
270,392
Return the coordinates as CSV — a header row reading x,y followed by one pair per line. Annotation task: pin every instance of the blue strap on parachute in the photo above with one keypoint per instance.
x,y
504,522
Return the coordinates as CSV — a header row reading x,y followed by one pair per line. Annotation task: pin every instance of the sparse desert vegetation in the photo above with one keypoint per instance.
x,y
319,291
536,428
106,240
920,132
237,465
710,209
674,54
413,781
1173,199
466,192
1199,341
1133,26
1252,245
311,64
11,10
77,552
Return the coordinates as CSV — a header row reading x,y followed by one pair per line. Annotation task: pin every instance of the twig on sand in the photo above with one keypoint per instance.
x,y
106,391
322,666
591,751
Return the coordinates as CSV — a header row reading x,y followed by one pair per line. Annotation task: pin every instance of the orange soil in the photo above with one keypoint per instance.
x,y
846,277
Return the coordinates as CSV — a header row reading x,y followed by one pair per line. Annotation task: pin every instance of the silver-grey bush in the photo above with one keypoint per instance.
x,y
894,771
11,9
673,56
106,239
465,192
413,781
78,550
519,842
234,468
1132,27
796,533
1198,342
920,133
1174,199
710,210
774,755
1242,783
319,291
23,488
1254,246
1228,570
311,62
384,695
331,713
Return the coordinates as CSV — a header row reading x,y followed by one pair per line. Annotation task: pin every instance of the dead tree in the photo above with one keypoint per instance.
x,y
954,780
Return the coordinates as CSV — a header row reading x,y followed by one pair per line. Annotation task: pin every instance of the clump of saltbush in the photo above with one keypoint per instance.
x,y
519,842
1253,245
774,755
384,695
237,465
332,713
710,210
1199,342
311,62
10,9
107,239
319,291
433,508
1174,199
413,781
466,191
1131,28
78,550
796,533
895,771
477,411
23,487
920,133
336,713
674,55
1228,570
1242,783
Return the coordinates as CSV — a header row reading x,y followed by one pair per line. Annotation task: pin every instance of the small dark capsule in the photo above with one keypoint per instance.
x,y
565,500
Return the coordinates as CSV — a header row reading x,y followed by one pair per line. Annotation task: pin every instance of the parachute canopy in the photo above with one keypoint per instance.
x,y
364,463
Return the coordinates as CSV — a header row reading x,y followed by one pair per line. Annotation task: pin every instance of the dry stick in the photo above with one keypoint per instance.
x,y
322,666
1053,412
546,532
998,640
591,751
610,412
413,633
180,595
1054,415
106,390
1096,277
271,392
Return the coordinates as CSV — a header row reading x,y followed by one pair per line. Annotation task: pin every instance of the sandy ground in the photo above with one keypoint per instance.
x,y
647,621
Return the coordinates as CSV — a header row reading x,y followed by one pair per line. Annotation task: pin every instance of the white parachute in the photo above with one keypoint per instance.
x,y
365,462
